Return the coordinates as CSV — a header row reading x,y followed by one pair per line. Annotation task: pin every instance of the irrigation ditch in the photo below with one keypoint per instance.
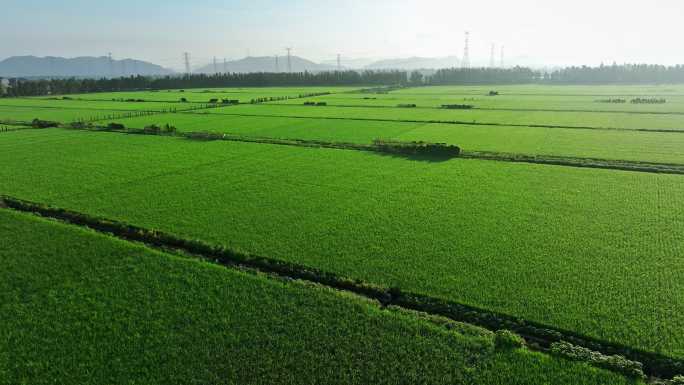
x,y
609,355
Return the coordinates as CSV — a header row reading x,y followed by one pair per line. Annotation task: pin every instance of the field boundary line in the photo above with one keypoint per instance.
x,y
543,335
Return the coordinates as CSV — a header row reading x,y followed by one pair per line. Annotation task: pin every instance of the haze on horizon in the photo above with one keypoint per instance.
x,y
534,32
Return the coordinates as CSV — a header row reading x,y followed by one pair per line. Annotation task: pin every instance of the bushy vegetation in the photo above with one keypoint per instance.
x,y
457,106
648,101
38,123
613,362
417,148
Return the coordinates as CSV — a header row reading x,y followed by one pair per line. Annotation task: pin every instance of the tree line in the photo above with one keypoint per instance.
x,y
613,74
56,86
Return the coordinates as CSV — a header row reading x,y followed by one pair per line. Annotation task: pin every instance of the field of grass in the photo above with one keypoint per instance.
x,y
620,145
24,114
38,104
593,251
79,307
564,119
597,252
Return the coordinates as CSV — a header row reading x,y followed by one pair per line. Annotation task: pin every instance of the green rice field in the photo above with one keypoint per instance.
x,y
165,320
585,251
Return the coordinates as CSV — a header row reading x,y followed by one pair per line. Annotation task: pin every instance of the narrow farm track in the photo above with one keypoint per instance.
x,y
541,336
454,122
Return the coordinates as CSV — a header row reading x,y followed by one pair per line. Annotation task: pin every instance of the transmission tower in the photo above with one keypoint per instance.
x,y
277,65
339,62
289,59
186,60
492,62
465,62
123,67
111,65
501,58
225,66
215,67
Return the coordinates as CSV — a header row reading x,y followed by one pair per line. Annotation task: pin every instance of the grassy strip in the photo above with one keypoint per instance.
x,y
663,168
654,364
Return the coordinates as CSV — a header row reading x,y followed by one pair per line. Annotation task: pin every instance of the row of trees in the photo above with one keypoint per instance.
x,y
23,87
618,74
615,74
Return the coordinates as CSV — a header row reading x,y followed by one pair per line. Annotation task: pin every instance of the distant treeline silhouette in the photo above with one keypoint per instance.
x,y
24,87
613,74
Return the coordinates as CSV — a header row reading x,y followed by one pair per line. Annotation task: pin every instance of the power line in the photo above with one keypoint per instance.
x,y
465,62
289,59
186,60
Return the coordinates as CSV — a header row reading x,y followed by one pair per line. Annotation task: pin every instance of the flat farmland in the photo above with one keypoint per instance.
x,y
605,144
99,287
614,120
244,95
597,252
570,103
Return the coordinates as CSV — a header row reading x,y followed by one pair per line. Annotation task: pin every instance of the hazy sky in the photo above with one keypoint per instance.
x,y
533,31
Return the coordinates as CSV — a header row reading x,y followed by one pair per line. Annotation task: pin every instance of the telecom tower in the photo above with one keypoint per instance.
x,y
491,56
186,59
339,62
501,58
465,62
289,59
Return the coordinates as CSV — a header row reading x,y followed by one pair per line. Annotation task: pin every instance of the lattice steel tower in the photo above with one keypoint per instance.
x,y
465,61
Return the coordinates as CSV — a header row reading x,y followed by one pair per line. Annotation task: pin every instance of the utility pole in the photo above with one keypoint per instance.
x,y
339,62
186,60
289,59
465,61
491,56
215,67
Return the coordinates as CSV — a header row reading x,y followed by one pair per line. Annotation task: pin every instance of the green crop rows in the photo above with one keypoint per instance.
x,y
592,252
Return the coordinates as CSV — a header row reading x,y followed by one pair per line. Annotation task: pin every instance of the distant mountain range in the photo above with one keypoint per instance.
x,y
265,64
268,64
415,63
32,66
